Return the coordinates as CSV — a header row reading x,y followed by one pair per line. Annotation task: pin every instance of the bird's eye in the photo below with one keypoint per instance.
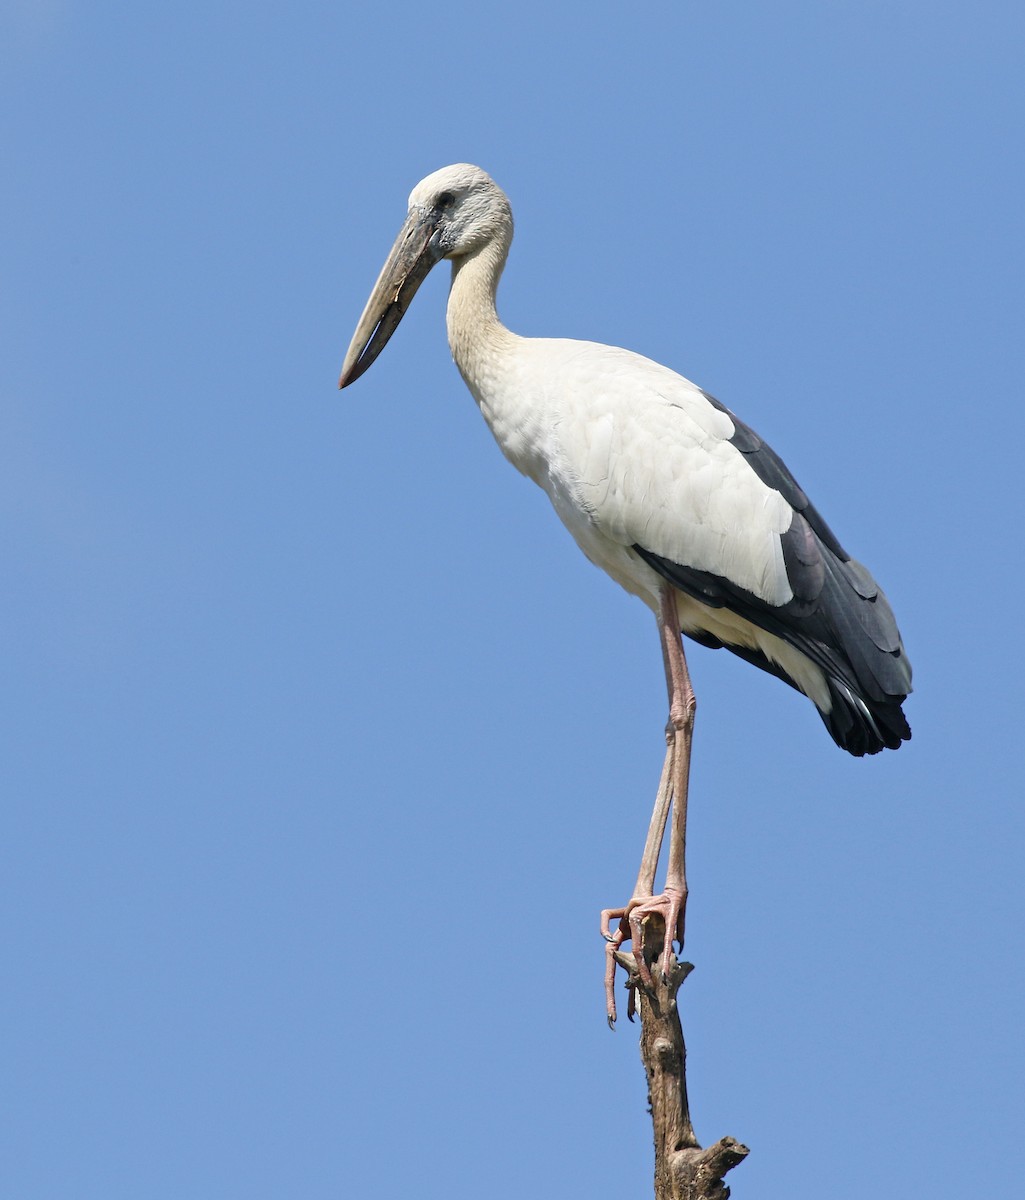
x,y
445,200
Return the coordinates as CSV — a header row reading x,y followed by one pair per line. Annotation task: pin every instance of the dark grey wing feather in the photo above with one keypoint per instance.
x,y
773,471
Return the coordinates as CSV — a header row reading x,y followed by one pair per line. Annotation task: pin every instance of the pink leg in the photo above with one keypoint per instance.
x,y
671,904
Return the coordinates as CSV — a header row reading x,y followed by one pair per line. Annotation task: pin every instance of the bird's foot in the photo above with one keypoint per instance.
x,y
669,909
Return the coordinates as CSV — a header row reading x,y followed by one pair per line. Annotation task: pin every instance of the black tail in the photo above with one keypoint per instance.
x,y
862,726
856,723
839,619
867,671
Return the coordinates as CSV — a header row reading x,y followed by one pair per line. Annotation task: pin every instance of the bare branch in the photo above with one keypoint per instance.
x,y
683,1170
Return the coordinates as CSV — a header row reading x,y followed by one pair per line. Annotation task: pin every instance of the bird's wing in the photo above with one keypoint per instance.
x,y
665,469
655,462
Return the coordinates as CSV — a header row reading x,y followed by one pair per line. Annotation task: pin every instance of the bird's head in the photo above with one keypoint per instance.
x,y
465,205
453,213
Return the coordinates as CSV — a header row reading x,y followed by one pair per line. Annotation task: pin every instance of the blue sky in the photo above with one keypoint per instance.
x,y
324,747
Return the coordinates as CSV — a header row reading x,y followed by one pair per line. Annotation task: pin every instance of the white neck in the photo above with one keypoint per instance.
x,y
476,336
495,363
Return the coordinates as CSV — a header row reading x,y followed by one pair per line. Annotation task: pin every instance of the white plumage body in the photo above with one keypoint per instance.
x,y
629,452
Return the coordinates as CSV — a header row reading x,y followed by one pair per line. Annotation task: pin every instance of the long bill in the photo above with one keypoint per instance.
x,y
416,250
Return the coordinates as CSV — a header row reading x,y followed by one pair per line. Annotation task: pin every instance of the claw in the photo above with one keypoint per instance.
x,y
669,907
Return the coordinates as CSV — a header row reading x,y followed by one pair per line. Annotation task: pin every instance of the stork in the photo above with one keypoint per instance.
x,y
672,495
